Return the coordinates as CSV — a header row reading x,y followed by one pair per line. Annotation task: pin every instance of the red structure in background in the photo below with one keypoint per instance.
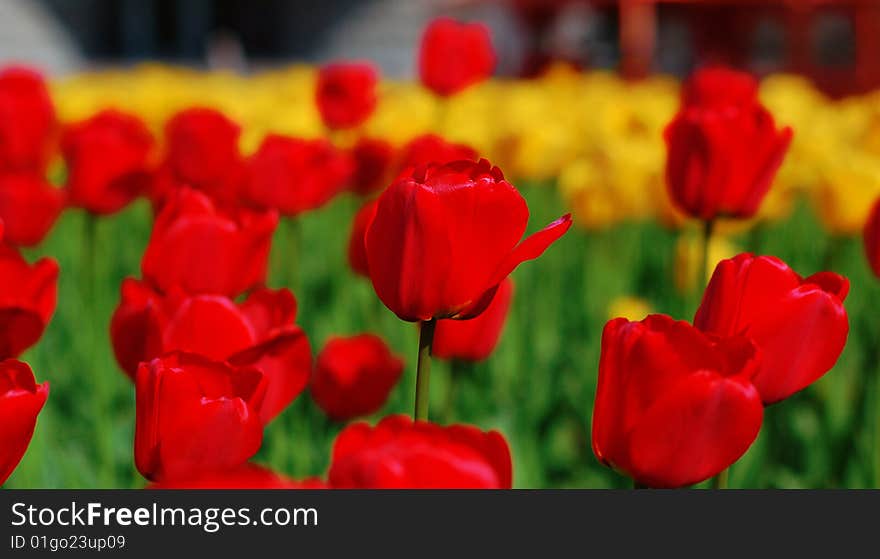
x,y
725,31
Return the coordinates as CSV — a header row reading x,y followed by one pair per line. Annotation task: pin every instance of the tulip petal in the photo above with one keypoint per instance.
x,y
286,364
532,247
209,325
695,431
21,400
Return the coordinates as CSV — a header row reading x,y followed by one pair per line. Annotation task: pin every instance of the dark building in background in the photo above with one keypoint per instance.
x,y
183,30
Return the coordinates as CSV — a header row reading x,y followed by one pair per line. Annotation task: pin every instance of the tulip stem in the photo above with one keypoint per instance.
x,y
458,368
705,268
423,370
720,481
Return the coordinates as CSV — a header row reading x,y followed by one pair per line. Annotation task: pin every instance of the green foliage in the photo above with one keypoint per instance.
x,y
537,388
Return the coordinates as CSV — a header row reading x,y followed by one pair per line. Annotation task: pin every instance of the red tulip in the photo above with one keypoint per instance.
x,y
455,55
259,332
201,249
357,251
21,400
401,454
445,236
799,324
353,376
872,239
29,206
248,476
107,160
195,416
474,339
431,148
718,87
673,406
723,148
203,153
346,94
293,175
373,159
28,295
27,121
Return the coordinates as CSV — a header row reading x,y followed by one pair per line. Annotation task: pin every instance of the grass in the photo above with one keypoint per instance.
x,y
537,388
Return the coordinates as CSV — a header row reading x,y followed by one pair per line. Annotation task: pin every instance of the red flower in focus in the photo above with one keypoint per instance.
x,y
28,295
431,148
673,406
21,400
474,339
202,153
107,160
723,147
373,159
455,55
195,416
201,249
259,332
27,121
799,324
346,94
445,236
401,454
247,476
353,376
872,239
357,251
29,206
293,175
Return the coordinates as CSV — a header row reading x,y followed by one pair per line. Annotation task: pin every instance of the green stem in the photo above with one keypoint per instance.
x,y
423,370
457,369
705,264
292,234
103,392
721,480
89,260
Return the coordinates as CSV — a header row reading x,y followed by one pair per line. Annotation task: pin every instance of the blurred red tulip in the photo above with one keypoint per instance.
x,y
431,148
357,251
28,295
401,454
195,416
346,93
27,121
474,339
673,406
202,153
247,476
259,332
373,159
200,248
723,147
455,55
21,400
872,238
293,175
107,160
800,325
445,236
717,87
353,376
29,206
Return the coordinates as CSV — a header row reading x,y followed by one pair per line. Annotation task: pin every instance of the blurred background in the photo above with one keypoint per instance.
x,y
834,42
587,141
